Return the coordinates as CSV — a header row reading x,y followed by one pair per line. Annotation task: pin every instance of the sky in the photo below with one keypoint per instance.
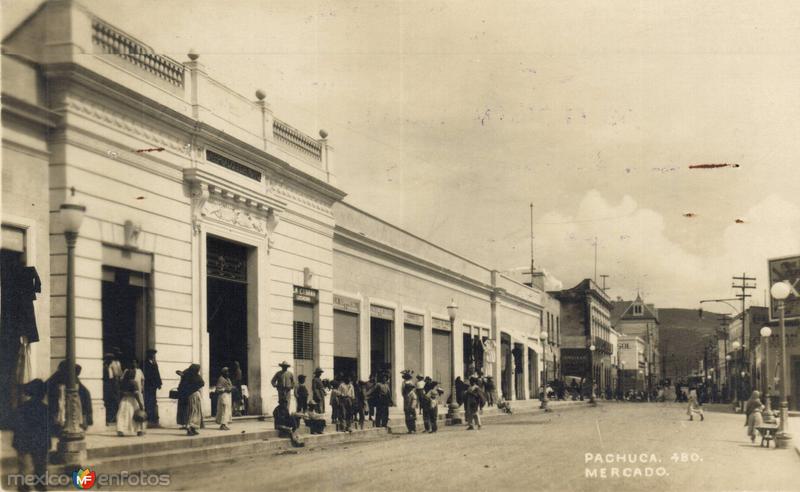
x,y
450,118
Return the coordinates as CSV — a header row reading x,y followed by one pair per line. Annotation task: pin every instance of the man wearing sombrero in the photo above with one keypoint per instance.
x,y
283,381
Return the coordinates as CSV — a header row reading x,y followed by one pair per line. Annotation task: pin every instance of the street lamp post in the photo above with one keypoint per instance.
x,y
766,332
71,446
738,386
728,359
452,409
591,375
780,291
543,339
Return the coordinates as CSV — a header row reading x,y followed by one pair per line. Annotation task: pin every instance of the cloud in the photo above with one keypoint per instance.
x,y
637,251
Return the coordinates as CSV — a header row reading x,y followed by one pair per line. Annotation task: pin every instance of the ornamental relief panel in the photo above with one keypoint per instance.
x,y
232,215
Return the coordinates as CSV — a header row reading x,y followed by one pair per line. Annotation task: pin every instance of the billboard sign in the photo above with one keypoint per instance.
x,y
575,362
787,270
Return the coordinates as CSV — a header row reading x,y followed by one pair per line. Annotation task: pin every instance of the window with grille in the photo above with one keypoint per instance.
x,y
303,340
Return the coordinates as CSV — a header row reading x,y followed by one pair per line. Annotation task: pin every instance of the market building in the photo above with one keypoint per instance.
x,y
215,232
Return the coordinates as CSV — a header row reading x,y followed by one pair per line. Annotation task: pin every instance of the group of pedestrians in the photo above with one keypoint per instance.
x,y
129,392
420,396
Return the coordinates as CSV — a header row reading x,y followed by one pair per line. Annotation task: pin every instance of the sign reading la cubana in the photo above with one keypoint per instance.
x,y
786,269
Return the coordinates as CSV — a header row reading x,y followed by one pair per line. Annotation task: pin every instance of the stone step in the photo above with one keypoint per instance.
x,y
151,461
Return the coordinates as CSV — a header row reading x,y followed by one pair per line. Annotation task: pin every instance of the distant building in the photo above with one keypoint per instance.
x,y
632,362
640,319
586,322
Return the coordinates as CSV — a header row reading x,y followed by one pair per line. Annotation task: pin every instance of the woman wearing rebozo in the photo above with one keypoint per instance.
x,y
753,416
189,391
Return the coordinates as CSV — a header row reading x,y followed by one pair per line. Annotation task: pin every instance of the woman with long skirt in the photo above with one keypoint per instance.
x,y
189,390
224,400
753,416
131,401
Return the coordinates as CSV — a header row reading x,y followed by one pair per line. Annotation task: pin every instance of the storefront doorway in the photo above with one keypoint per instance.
x,y
125,311
381,346
533,367
506,365
226,309
11,262
519,371
442,354
345,344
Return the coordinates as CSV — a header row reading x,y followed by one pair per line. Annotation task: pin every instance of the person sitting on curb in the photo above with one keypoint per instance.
x,y
286,424
314,420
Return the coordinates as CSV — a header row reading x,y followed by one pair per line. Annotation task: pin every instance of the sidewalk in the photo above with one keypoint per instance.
x,y
167,447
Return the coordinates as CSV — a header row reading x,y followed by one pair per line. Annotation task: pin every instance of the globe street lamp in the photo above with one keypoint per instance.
x,y
591,374
543,339
452,409
766,332
780,291
71,446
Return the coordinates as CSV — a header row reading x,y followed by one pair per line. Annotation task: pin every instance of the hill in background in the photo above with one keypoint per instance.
x,y
682,338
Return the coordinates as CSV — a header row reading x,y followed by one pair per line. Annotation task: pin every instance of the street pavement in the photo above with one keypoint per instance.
x,y
563,450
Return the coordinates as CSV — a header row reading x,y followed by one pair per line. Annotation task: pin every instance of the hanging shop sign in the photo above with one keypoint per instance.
x,y
347,304
414,319
381,312
303,294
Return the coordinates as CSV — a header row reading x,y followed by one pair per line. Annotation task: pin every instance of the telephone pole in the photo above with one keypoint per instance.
x,y
604,287
744,285
532,263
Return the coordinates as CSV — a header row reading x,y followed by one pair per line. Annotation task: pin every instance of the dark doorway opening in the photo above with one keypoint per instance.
x,y
381,347
226,310
519,371
125,313
506,365
10,262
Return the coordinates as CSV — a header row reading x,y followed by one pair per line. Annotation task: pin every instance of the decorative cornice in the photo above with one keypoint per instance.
x,y
131,126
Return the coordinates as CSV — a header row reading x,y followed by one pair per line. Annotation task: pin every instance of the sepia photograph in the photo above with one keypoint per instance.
x,y
277,245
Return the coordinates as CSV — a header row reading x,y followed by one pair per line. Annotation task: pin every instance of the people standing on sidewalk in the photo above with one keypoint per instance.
x,y
432,407
490,391
360,404
224,390
152,383
694,407
283,381
419,386
346,398
370,397
754,417
189,391
472,404
237,395
336,410
31,437
301,394
383,400
112,376
318,390
409,403
131,416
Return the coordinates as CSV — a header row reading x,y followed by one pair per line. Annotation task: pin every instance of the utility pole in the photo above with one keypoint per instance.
x,y
595,259
604,287
744,285
532,263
